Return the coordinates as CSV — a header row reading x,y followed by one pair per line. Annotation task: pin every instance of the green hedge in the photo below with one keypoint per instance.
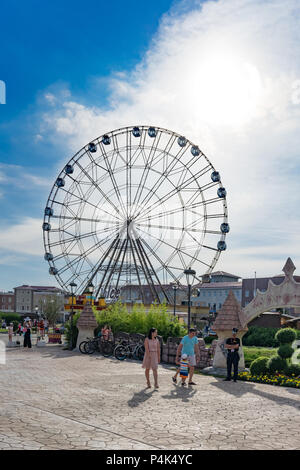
x,y
10,317
258,336
137,321
140,321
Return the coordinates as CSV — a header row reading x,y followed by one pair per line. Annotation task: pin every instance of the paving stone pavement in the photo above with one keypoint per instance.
x,y
56,399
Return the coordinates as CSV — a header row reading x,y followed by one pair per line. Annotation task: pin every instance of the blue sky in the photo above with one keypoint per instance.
x,y
225,73
64,44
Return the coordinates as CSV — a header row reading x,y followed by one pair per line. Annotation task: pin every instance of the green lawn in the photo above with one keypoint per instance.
x,y
253,352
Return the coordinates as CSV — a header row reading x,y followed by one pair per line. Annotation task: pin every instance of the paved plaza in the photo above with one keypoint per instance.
x,y
56,399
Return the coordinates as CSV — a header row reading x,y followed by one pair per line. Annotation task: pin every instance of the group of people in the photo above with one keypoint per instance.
x,y
187,356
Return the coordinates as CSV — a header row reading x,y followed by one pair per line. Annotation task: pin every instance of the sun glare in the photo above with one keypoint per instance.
x,y
228,90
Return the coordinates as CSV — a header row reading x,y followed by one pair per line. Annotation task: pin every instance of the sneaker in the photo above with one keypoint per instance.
x,y
183,384
174,380
192,383
227,380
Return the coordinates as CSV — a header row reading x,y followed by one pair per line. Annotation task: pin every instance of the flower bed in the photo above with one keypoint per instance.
x,y
277,379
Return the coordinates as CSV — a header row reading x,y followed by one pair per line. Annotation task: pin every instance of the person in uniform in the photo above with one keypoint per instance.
x,y
232,346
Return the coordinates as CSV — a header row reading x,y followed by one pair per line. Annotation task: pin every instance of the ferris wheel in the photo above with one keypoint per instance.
x,y
134,207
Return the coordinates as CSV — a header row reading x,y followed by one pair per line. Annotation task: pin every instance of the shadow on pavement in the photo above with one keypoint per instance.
x,y
181,393
140,397
240,388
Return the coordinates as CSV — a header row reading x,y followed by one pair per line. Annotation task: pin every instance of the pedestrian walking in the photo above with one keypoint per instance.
x,y
188,346
151,357
27,335
232,345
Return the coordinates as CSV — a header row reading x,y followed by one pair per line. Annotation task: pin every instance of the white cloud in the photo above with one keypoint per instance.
x,y
24,237
226,74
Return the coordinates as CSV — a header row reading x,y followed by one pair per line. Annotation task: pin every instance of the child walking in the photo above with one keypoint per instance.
x,y
184,369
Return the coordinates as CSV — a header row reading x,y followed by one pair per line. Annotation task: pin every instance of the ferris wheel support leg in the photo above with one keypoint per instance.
x,y
102,261
113,247
146,271
137,272
146,256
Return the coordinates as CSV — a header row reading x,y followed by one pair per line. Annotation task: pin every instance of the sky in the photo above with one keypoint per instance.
x,y
224,73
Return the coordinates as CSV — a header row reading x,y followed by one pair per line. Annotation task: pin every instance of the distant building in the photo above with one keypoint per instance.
x,y
134,293
222,276
7,301
214,293
27,298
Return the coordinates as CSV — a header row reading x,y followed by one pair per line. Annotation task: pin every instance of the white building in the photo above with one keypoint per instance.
x,y
214,293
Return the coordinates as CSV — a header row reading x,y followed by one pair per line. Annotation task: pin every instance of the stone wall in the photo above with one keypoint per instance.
x,y
206,354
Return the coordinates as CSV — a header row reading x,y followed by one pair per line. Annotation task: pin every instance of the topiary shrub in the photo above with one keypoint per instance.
x,y
293,369
276,364
259,366
285,335
285,351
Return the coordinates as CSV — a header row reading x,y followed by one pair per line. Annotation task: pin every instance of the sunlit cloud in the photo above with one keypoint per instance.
x,y
227,75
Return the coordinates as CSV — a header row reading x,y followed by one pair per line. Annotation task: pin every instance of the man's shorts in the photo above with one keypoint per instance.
x,y
192,360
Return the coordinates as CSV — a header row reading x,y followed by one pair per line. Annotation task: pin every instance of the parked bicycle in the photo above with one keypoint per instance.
x,y
90,345
130,350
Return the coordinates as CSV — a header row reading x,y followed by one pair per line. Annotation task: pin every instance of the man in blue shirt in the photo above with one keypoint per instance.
x,y
189,346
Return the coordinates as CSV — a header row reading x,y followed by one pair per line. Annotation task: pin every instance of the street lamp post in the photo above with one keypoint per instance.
x,y
175,288
72,285
37,322
190,275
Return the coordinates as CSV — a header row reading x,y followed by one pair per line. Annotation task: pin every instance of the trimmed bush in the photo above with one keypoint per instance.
x,y
259,366
293,369
258,336
285,335
285,351
276,364
10,317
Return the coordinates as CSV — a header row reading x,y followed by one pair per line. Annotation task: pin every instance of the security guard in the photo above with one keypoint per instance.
x,y
232,345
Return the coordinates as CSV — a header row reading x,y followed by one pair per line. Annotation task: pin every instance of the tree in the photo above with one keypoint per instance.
x,y
51,307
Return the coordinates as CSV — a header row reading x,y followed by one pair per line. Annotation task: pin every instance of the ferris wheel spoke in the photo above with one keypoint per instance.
x,y
161,262
74,237
180,229
185,208
84,219
85,201
175,248
168,168
84,254
111,175
174,191
162,155
99,189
